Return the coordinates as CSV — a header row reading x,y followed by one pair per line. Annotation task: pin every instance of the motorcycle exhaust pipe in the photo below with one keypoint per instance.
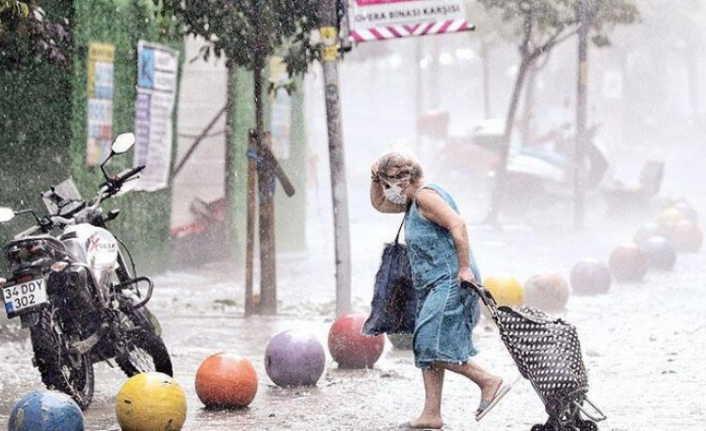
x,y
82,347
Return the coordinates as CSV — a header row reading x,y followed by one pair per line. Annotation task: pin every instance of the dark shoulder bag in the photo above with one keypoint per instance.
x,y
394,307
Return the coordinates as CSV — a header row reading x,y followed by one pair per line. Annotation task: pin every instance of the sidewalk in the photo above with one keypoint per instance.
x,y
642,342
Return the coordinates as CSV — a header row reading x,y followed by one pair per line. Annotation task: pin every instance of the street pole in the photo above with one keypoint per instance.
x,y
329,63
581,104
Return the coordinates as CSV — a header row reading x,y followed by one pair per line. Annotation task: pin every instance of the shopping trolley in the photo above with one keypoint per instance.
x,y
547,352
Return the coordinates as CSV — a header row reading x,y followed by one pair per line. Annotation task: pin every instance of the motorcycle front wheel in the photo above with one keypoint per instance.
x,y
59,370
145,350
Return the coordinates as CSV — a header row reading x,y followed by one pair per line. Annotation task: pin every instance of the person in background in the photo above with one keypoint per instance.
x,y
441,259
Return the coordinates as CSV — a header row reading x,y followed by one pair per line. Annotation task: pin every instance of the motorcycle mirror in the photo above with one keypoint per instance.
x,y
123,142
6,214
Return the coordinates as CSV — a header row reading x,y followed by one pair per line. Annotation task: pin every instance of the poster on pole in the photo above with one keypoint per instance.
x,y
101,57
371,20
281,110
157,67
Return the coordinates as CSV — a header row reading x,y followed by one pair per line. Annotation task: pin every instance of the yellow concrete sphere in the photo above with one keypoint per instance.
x,y
151,401
506,290
669,217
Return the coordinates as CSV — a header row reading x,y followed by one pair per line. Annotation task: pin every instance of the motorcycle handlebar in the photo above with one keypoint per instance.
x,y
127,175
53,196
44,227
108,189
113,185
29,231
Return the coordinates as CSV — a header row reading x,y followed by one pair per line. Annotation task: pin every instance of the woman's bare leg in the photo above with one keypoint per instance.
x,y
487,382
433,384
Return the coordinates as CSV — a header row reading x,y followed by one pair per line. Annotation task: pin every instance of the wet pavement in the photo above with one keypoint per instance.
x,y
644,343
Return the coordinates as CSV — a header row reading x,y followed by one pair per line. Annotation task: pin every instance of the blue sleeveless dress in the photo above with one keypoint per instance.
x,y
446,314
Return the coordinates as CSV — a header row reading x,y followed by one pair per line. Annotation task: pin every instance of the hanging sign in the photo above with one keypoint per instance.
x,y
389,19
101,57
156,92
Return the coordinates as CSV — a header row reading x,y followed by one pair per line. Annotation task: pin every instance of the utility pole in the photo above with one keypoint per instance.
x,y
581,104
329,63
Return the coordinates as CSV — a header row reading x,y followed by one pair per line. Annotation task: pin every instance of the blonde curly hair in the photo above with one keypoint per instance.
x,y
398,163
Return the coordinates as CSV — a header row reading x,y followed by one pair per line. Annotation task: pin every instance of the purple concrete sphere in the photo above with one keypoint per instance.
x,y
660,253
294,358
589,277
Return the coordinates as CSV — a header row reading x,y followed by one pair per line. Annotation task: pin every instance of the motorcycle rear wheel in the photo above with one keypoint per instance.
x,y
52,358
146,350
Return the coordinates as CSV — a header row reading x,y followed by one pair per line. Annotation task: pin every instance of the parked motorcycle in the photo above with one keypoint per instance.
x,y
536,178
77,293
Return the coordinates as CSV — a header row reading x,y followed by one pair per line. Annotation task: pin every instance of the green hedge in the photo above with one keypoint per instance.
x,y
144,221
43,125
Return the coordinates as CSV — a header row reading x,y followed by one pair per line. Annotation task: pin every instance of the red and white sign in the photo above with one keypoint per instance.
x,y
389,19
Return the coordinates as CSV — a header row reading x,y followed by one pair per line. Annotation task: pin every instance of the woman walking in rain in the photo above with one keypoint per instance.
x,y
441,258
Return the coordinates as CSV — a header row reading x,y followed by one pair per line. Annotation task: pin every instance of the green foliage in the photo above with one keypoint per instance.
x,y
541,24
35,99
248,31
29,35
14,7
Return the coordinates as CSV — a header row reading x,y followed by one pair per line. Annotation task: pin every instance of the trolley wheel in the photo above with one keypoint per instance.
x,y
588,426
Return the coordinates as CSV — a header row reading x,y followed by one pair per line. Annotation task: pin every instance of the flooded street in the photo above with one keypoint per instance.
x,y
644,343
281,142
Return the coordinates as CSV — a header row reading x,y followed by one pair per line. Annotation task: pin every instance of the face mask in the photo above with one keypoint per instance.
x,y
394,194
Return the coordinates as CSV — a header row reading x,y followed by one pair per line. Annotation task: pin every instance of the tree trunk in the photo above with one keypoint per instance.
x,y
250,306
229,180
528,106
487,111
266,219
418,90
265,177
692,69
501,170
581,108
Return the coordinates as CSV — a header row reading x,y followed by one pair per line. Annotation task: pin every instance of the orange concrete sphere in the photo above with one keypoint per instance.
x,y
687,237
349,347
548,291
226,380
628,263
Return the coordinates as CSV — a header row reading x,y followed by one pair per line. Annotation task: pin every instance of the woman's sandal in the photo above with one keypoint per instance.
x,y
485,406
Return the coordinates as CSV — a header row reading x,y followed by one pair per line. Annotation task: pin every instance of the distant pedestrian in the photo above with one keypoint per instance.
x,y
441,258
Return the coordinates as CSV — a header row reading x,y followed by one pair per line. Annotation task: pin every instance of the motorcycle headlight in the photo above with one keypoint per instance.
x,y
59,266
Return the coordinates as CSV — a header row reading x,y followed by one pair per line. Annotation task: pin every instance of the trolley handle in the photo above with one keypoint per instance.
x,y
484,293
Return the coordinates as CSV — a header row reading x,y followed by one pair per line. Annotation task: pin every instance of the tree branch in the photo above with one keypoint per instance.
x,y
554,40
527,35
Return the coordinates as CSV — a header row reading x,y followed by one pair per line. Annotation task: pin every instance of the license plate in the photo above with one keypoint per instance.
x,y
25,295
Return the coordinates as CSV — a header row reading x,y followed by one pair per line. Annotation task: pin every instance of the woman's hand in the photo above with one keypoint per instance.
x,y
374,174
465,274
